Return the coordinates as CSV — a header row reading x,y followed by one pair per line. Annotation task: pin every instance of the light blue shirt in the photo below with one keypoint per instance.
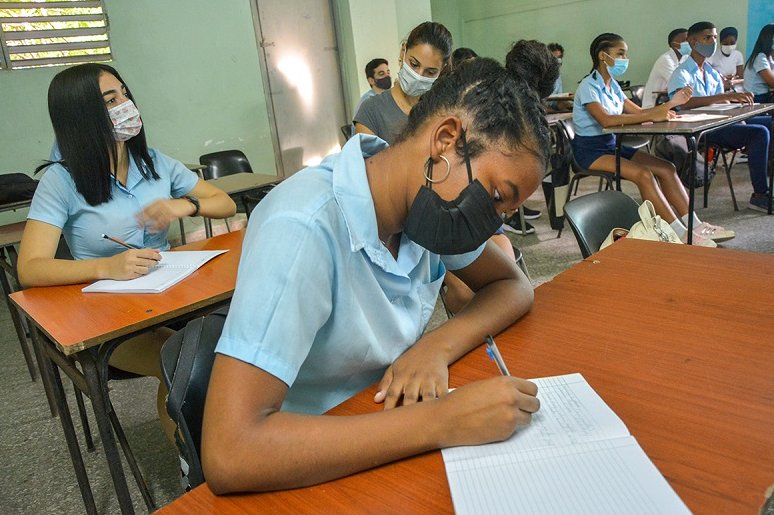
x,y
557,86
704,84
320,303
753,82
593,89
57,202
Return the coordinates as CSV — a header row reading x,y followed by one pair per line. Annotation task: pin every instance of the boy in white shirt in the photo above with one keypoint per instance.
x,y
665,65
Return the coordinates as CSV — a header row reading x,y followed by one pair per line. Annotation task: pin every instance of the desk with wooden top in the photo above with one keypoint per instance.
x,y
238,184
676,339
693,132
68,325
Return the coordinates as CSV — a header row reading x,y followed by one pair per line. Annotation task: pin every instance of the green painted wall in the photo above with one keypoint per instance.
x,y
193,68
490,26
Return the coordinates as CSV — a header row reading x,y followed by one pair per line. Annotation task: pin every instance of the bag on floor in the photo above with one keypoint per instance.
x,y
673,148
650,227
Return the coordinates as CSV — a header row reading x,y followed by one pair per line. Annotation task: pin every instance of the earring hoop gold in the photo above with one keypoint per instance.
x,y
448,170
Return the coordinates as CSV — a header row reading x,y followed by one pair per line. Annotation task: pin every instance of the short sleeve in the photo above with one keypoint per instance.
x,y
761,62
181,179
368,115
679,79
52,198
462,260
587,94
738,58
283,296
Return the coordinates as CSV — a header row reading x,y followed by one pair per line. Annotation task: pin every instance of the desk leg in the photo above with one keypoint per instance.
x,y
47,366
101,414
17,323
771,182
706,173
618,143
207,227
691,141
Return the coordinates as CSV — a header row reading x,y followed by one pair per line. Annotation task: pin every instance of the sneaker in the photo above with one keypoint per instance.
x,y
740,158
513,224
699,240
715,233
530,214
759,202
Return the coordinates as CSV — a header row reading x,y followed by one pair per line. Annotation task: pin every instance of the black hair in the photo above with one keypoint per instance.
x,y
674,34
602,43
499,107
533,62
762,44
462,54
372,65
553,47
433,34
699,26
84,132
728,31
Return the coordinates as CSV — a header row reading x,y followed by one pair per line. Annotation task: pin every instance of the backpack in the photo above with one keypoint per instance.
x,y
673,148
555,188
16,187
186,364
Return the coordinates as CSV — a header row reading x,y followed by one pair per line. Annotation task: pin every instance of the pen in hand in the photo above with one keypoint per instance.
x,y
120,242
494,353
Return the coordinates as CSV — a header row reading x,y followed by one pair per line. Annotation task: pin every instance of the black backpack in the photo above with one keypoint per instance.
x,y
186,364
16,187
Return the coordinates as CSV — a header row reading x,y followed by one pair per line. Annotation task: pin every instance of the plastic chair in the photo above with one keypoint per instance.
x,y
721,152
187,358
593,216
225,162
637,93
252,199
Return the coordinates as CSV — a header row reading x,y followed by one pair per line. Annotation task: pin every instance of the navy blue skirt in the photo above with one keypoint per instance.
x,y
587,149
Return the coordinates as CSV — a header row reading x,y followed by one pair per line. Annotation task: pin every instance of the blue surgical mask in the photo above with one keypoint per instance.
x,y
706,49
412,83
619,67
685,48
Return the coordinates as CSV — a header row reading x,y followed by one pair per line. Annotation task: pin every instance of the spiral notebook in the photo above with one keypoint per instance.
x,y
173,268
576,456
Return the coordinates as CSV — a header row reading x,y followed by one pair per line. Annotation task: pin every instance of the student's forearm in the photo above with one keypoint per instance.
x,y
53,272
288,450
626,119
217,206
704,101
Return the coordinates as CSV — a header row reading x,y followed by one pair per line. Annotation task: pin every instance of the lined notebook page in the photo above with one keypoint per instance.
x,y
173,268
576,457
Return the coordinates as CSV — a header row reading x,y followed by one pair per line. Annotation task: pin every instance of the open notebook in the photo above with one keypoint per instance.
x,y
173,268
575,457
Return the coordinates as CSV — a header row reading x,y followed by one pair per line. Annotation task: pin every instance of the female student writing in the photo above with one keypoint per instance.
x,y
600,103
348,258
759,69
108,182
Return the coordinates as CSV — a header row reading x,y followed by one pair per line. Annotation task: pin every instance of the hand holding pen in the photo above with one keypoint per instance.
x,y
132,263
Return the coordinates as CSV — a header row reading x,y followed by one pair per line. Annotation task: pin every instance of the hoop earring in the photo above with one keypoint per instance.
x,y
429,168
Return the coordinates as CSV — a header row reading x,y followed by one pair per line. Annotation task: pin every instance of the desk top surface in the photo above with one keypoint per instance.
x,y
75,320
239,182
675,338
731,116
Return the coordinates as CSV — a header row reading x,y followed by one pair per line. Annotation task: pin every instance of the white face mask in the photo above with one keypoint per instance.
x,y
126,120
727,49
412,83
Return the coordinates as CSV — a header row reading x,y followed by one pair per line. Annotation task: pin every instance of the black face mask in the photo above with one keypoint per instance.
x,y
452,227
383,83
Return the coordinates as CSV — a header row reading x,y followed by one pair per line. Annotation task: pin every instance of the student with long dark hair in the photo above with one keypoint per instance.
x,y
599,103
423,56
351,254
108,182
759,68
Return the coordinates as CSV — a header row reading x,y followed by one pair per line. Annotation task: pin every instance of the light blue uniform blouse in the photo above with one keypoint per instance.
x,y
687,73
57,202
320,303
592,89
753,82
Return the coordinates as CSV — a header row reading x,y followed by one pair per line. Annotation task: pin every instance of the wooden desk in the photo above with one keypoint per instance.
x,y
87,327
676,339
693,132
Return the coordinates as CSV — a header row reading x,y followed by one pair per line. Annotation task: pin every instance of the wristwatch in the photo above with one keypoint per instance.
x,y
195,202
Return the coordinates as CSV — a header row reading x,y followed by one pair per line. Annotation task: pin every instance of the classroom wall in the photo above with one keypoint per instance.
x,y
490,26
193,68
759,13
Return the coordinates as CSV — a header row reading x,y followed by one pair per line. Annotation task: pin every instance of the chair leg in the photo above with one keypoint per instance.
x,y
575,179
129,455
727,167
601,181
84,419
182,231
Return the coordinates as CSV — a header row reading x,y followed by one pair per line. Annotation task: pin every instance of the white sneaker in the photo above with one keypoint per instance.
x,y
715,233
699,240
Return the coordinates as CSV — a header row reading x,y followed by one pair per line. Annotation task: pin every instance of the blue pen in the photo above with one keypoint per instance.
x,y
494,354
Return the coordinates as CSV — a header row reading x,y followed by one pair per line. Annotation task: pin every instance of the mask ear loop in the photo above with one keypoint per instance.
x,y
467,156
429,170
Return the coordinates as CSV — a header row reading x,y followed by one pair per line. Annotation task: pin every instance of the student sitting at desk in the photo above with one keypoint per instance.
x,y
759,69
665,65
727,60
338,280
108,181
600,103
707,87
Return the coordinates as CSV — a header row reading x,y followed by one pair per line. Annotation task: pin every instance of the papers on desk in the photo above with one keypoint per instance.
x,y
575,457
717,107
173,268
697,117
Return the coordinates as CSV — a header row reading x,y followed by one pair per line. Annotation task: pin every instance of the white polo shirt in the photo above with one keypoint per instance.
x,y
659,76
